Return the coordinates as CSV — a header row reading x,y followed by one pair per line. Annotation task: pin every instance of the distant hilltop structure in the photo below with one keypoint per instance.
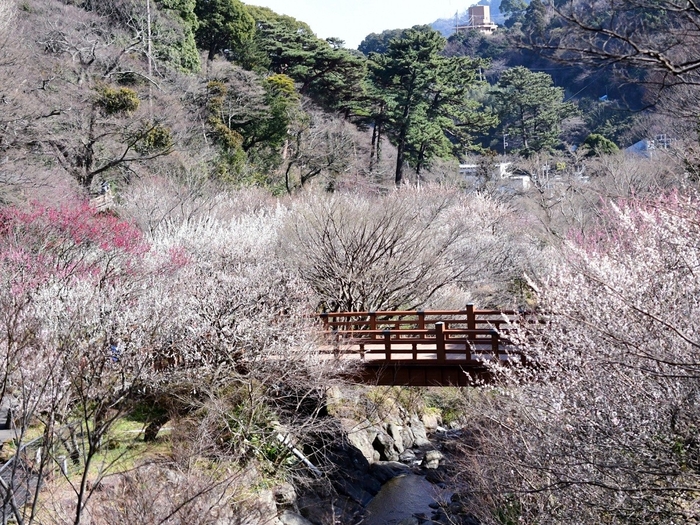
x,y
479,20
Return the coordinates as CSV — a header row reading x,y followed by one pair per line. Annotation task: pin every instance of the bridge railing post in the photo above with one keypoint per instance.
x,y
387,344
440,341
373,322
421,320
471,320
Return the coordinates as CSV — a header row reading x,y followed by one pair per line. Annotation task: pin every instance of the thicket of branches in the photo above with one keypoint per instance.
x,y
409,249
603,427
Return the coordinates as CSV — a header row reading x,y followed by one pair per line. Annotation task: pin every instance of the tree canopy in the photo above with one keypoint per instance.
x,y
423,97
531,109
223,24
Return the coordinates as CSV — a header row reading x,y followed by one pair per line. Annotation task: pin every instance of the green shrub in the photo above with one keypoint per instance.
x,y
120,100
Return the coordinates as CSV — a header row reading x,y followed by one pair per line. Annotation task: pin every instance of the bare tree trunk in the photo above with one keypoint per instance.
x,y
400,153
373,148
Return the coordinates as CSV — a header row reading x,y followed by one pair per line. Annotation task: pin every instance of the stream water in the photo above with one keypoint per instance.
x,y
402,497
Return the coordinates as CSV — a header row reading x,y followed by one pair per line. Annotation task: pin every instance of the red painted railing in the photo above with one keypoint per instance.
x,y
430,337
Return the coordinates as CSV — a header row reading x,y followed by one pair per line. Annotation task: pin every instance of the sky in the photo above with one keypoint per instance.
x,y
353,20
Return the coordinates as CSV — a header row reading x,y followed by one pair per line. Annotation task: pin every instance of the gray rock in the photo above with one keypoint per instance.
x,y
315,508
285,495
385,470
431,421
418,429
409,439
432,459
264,510
384,444
353,491
361,436
409,521
396,433
292,518
407,456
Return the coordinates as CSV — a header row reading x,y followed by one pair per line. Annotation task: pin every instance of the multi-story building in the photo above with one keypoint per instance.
x,y
479,20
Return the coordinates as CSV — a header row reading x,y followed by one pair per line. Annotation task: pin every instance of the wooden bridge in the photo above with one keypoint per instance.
x,y
422,348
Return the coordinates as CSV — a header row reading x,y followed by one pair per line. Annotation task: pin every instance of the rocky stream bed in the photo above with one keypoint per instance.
x,y
393,473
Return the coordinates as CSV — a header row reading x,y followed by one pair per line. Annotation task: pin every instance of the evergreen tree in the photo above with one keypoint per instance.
x,y
422,97
513,10
531,109
535,20
323,69
223,24
378,42
175,43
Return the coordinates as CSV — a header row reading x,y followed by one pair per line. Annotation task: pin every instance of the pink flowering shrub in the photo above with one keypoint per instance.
x,y
42,244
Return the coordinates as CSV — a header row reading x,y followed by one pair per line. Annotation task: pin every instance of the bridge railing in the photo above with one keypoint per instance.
x,y
469,318
428,337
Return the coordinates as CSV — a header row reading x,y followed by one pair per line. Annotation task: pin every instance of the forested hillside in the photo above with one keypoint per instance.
x,y
103,93
185,183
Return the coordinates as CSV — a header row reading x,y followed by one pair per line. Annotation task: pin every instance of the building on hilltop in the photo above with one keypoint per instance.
x,y
479,20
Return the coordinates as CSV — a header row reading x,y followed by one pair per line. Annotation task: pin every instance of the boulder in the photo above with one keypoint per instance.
x,y
431,421
262,511
419,434
285,495
384,444
292,518
408,438
385,470
396,433
353,490
407,456
315,508
432,459
361,436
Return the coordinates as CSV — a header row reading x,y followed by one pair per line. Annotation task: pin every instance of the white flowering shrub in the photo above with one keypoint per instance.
x,y
200,320
603,427
242,338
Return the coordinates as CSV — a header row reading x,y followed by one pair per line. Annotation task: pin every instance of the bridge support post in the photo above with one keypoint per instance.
x,y
440,341
373,324
372,320
471,317
494,345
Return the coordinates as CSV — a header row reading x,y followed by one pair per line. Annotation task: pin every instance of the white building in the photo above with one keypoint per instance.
x,y
479,20
501,174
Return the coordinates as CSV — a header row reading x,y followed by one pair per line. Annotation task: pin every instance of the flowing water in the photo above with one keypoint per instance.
x,y
402,497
